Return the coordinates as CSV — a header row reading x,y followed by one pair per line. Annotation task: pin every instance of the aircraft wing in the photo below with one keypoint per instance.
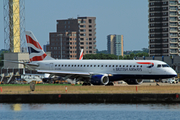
x,y
68,74
63,72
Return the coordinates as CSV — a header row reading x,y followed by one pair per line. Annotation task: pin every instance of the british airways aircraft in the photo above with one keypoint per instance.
x,y
96,72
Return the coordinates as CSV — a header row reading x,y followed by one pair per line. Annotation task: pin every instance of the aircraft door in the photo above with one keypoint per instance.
x,y
150,70
51,66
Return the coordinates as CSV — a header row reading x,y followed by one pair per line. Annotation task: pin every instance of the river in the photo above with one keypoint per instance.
x,y
90,111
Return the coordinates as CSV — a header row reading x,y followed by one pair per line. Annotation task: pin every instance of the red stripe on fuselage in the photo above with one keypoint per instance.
x,y
145,63
30,40
38,58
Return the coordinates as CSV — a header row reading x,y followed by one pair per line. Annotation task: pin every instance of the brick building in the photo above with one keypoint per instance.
x,y
71,36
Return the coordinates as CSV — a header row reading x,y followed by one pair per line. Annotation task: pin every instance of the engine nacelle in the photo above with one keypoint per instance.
x,y
99,79
133,81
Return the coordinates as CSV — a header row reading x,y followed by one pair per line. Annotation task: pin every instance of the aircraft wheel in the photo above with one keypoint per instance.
x,y
110,84
84,84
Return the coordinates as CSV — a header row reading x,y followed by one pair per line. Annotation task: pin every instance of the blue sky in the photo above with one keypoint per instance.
x,y
123,17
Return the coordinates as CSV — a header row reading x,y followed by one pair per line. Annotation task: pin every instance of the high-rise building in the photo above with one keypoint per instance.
x,y
164,22
115,44
73,35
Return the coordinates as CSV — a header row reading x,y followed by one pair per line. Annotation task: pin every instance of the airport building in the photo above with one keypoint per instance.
x,y
164,27
71,36
115,44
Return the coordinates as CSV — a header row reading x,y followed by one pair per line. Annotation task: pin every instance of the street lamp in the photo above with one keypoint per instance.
x,y
61,43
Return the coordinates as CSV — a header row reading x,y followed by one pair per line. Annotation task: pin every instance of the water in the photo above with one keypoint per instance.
x,y
90,111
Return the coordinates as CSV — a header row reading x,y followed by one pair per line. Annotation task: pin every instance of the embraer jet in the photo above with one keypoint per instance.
x,y
96,72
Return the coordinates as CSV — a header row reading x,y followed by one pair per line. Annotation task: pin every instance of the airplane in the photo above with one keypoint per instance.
x,y
96,72
47,76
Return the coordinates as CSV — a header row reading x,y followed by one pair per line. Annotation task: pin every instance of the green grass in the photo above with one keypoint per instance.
x,y
1,85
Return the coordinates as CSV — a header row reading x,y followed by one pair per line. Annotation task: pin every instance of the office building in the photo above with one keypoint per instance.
x,y
164,27
115,44
71,36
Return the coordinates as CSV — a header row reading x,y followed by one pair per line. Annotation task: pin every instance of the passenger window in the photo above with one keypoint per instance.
x,y
81,65
137,65
55,65
91,66
68,65
74,65
84,65
65,65
59,65
98,65
119,65
113,66
123,65
94,65
62,65
87,65
116,65
130,65
78,65
134,66
126,65
101,65
159,65
109,65
141,65
106,65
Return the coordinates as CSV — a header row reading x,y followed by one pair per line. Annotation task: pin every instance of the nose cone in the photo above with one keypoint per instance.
x,y
173,72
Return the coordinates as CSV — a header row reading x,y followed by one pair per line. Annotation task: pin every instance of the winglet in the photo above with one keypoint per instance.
x,y
81,55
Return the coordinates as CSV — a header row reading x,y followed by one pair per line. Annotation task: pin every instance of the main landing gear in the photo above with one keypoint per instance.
x,y
86,84
110,84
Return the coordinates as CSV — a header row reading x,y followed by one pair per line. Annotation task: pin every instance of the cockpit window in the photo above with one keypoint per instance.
x,y
158,65
165,65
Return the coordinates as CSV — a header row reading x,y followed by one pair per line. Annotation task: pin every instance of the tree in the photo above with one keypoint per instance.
x,y
100,56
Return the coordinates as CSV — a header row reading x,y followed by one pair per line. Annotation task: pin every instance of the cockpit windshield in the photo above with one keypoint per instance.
x,y
165,65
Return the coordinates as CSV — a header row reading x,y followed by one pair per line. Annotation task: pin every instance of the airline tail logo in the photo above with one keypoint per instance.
x,y
36,52
148,63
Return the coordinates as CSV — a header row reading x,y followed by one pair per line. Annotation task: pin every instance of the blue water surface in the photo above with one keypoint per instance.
x,y
90,111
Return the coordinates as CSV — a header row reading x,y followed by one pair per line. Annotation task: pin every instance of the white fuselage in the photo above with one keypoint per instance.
x,y
137,69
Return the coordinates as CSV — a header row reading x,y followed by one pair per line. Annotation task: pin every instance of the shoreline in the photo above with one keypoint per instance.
x,y
90,98
121,93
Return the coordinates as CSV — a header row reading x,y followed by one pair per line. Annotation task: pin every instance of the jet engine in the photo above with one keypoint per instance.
x,y
133,81
99,79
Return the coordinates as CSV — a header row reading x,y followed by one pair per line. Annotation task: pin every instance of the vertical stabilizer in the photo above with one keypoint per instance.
x,y
36,53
